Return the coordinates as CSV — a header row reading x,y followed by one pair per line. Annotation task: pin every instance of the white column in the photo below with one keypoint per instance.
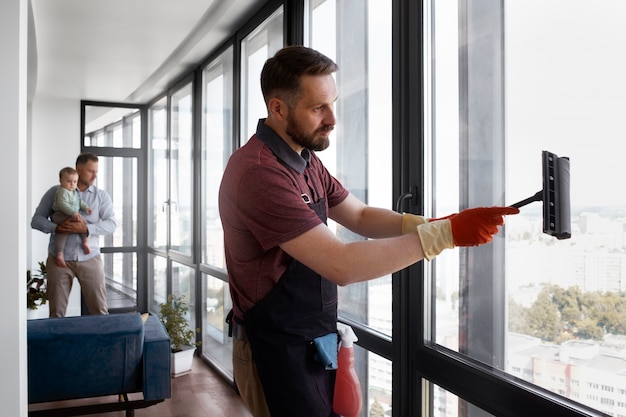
x,y
13,211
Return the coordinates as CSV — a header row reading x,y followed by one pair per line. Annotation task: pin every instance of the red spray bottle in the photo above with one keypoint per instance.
x,y
347,400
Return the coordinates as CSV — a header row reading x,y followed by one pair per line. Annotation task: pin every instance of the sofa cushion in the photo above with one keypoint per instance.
x,y
85,356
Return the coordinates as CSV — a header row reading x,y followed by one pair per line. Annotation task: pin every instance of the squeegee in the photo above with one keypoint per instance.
x,y
555,196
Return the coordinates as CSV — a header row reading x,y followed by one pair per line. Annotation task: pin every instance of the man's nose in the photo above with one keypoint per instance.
x,y
329,118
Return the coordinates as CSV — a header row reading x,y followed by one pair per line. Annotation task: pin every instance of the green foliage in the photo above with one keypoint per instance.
x,y
560,314
172,315
36,293
543,319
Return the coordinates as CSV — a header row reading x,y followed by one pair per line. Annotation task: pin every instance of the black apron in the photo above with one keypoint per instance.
x,y
281,328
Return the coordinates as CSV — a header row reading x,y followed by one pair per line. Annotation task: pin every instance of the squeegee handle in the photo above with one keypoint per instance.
x,y
537,197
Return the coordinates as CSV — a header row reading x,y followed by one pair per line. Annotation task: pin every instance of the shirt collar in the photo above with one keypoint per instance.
x,y
89,189
280,148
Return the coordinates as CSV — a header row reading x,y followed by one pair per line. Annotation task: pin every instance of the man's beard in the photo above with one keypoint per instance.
x,y
312,142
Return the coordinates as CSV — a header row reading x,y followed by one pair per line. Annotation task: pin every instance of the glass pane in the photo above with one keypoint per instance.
x,y
183,286
548,311
565,94
446,404
118,176
216,144
359,41
215,341
157,269
181,163
120,270
158,183
256,48
377,392
116,127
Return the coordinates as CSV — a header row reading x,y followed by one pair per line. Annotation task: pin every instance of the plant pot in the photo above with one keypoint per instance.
x,y
181,361
41,312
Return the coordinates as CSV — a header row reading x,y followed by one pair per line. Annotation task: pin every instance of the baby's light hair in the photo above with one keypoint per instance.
x,y
67,171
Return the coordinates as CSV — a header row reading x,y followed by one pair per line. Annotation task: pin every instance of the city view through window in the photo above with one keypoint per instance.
x,y
564,300
562,309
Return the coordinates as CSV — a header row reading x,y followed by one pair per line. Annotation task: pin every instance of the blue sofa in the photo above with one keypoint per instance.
x,y
94,356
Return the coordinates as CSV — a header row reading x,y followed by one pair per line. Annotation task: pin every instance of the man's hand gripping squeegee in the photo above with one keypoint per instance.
x,y
470,227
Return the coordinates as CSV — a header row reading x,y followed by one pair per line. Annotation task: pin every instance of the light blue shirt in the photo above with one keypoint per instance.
x,y
100,222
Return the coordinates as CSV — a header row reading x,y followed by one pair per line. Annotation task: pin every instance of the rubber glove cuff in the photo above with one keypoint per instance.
x,y
435,237
410,222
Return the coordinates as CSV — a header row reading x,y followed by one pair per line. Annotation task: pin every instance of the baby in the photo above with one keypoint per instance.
x,y
66,204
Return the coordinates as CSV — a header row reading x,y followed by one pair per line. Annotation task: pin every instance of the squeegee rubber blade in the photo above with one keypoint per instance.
x,y
556,201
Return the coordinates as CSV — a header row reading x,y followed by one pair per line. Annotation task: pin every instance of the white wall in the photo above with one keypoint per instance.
x,y
55,143
37,141
13,122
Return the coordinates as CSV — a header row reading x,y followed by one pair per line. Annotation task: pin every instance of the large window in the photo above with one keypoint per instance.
x,y
358,39
158,207
457,100
114,133
181,171
256,48
217,145
508,82
171,197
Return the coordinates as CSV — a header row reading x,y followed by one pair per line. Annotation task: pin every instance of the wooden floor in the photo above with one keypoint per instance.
x,y
200,393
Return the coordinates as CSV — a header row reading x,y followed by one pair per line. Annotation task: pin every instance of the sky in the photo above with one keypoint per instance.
x,y
566,93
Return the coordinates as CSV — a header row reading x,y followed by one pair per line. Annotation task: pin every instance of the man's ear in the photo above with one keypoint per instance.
x,y
277,108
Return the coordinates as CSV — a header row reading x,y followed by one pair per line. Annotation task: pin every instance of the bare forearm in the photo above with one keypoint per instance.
x,y
367,221
345,263
372,259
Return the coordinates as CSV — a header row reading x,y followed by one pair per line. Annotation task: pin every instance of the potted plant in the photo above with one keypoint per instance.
x,y
182,338
36,294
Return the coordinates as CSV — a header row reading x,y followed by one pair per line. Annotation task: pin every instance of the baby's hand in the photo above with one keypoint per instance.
x,y
88,210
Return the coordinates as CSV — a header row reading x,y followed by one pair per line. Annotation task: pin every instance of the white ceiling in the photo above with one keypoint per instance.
x,y
125,50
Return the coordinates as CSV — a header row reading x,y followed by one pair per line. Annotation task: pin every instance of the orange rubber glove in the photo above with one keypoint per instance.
x,y
475,226
470,227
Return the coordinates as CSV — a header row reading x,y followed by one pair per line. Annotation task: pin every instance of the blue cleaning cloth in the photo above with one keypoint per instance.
x,y
326,347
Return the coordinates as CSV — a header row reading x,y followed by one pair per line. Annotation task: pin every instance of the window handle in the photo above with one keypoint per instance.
x,y
401,199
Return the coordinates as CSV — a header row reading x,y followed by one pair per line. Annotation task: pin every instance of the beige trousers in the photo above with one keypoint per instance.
x,y
247,379
90,275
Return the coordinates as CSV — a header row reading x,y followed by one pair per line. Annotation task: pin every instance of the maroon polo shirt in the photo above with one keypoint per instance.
x,y
262,203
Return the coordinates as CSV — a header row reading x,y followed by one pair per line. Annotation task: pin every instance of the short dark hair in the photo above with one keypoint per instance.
x,y
67,171
281,74
84,157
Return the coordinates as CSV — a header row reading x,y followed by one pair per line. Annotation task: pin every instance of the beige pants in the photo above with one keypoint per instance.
x,y
90,275
247,379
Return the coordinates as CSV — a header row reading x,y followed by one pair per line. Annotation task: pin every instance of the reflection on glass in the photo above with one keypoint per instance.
x,y
360,151
563,300
158,207
181,164
216,143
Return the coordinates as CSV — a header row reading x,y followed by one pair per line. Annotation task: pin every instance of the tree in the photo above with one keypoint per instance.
x,y
517,317
543,320
588,329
